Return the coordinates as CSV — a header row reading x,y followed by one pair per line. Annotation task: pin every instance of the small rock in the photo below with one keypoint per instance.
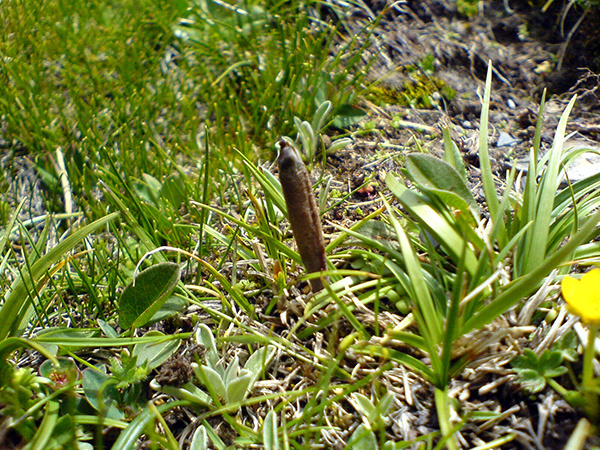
x,y
584,165
506,140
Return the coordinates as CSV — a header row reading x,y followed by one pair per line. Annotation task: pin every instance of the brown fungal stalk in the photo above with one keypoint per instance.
x,y
303,211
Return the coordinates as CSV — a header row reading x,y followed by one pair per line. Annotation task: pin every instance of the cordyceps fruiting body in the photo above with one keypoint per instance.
x,y
303,211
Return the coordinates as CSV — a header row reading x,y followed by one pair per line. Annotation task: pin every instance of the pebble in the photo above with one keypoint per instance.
x,y
506,140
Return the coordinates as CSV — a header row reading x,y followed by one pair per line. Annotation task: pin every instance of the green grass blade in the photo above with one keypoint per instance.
x,y
536,246
524,286
129,436
489,187
347,312
18,308
44,432
9,227
12,343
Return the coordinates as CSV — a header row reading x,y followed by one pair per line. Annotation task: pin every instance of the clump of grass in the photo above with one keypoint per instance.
x,y
275,60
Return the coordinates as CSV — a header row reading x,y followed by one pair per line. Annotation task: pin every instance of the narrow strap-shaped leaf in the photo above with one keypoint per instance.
x,y
524,286
536,248
440,229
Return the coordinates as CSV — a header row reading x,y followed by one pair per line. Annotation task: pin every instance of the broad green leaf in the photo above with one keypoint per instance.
x,y
441,230
439,178
145,295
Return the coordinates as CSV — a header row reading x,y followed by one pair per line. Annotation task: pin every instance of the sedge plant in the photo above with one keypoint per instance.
x,y
459,272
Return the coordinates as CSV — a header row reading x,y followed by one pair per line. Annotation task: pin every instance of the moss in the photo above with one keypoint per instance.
x,y
422,91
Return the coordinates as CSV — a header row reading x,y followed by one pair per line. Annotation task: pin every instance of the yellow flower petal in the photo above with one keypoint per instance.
x,y
583,296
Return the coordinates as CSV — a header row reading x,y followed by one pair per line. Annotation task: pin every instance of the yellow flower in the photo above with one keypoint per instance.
x,y
583,296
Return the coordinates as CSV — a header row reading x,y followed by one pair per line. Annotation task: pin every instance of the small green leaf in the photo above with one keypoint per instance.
x,y
145,295
154,353
60,374
556,372
363,439
107,329
385,403
525,361
188,392
534,371
269,432
364,406
101,395
347,115
172,306
550,364
567,346
205,338
199,440
452,155
232,371
239,387
174,190
532,380
259,360
320,117
215,381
